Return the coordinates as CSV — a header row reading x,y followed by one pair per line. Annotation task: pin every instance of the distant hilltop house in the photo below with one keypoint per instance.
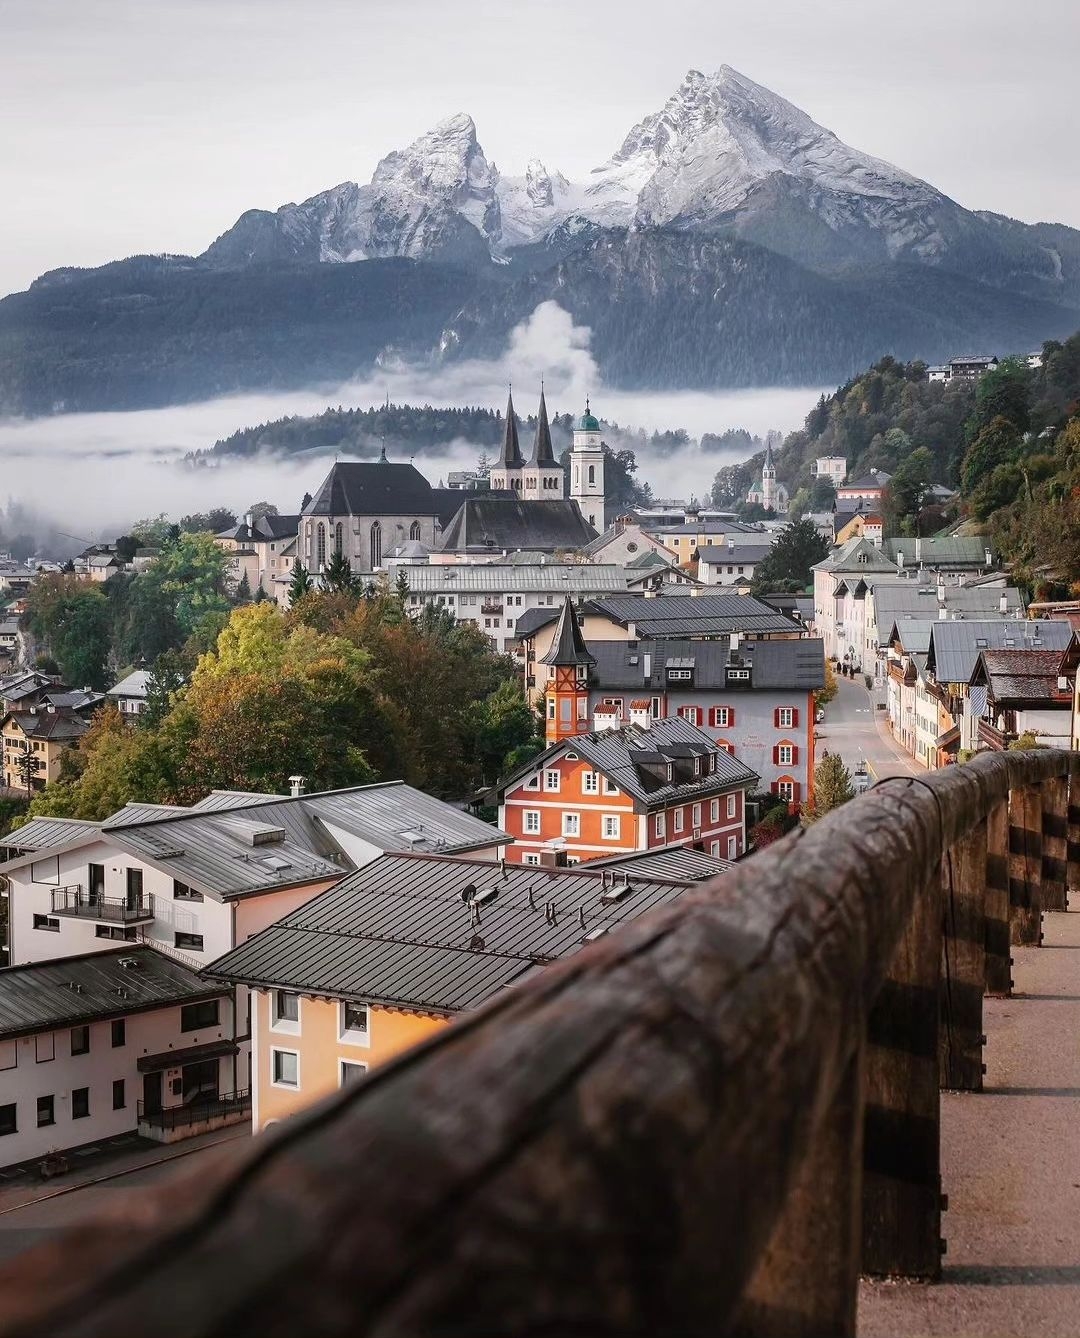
x,y
969,367
766,491
833,467
869,488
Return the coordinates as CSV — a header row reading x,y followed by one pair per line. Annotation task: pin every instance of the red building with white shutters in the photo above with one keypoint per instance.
x,y
627,789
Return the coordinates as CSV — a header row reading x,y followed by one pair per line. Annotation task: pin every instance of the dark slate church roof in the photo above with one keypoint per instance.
x,y
495,522
542,452
568,646
510,456
362,488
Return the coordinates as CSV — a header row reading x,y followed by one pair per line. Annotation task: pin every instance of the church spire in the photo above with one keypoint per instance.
x,y
542,453
511,449
568,645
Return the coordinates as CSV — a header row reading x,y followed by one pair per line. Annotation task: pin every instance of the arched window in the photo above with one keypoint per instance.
x,y
592,476
376,545
338,532
320,547
414,530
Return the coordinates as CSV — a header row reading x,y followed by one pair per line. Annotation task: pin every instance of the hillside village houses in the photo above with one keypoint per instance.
x,y
753,698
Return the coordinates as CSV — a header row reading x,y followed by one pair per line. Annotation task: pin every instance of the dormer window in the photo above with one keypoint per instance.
x,y
679,675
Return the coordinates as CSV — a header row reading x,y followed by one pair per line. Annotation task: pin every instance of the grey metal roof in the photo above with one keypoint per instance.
x,y
43,833
400,931
680,862
955,645
795,665
69,991
508,577
228,799
675,614
913,634
495,522
134,815
895,599
739,553
940,551
134,685
624,755
857,555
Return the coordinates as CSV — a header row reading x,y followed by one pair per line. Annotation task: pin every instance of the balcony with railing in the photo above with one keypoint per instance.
x,y
75,901
708,1122
168,1124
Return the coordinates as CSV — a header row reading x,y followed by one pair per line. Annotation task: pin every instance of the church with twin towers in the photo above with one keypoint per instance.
x,y
541,478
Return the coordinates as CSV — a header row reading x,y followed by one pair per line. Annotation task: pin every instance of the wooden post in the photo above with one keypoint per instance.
x,y
996,903
1072,844
902,1143
963,977
806,1282
1055,831
1025,865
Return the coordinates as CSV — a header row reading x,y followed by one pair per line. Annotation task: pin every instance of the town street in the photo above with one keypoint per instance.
x,y
858,733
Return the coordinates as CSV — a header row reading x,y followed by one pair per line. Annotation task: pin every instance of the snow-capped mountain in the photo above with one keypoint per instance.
x,y
721,147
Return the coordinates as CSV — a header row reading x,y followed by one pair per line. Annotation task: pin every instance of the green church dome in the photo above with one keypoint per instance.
x,y
587,423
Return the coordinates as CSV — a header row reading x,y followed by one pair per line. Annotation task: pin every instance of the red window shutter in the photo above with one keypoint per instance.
x,y
776,720
731,715
794,715
796,792
775,787
776,754
794,754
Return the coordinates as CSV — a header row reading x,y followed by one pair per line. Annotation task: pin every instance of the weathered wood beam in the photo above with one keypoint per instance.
x,y
1072,844
963,977
1025,865
996,904
1055,830
612,1147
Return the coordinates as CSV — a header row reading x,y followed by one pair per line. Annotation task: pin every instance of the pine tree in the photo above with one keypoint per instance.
x,y
401,588
338,573
300,585
832,787
243,590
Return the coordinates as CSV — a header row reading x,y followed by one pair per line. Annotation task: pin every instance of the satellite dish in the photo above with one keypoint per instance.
x,y
468,892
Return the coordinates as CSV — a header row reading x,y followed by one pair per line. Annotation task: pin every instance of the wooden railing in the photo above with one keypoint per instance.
x,y
706,1123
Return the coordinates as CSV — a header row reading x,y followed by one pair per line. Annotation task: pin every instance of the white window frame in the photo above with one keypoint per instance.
x,y
533,783
571,824
610,787
695,816
530,821
659,825
732,805
786,790
786,716
590,782
351,1036
344,1064
274,1080
714,848
786,755
552,780
530,857
733,847
691,714
285,1026
714,811
614,822
722,717
677,820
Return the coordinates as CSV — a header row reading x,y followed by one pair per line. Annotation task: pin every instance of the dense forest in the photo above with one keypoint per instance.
x,y
1008,444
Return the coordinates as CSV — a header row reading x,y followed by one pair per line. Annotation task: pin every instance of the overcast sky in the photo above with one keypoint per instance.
x,y
150,125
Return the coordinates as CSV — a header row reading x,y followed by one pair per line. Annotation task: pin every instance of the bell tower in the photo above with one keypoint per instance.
x,y
587,470
567,695
506,472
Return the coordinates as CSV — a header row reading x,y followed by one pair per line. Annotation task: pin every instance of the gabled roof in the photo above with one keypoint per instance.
x,y
893,599
51,726
955,644
739,554
878,479
857,555
44,833
495,578
134,685
1022,677
682,862
568,645
952,550
363,488
74,699
493,522
510,455
439,935
252,844
635,759
71,991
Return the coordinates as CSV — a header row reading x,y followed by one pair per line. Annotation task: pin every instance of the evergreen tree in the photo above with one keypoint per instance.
x,y
789,560
300,585
401,588
243,590
339,573
832,787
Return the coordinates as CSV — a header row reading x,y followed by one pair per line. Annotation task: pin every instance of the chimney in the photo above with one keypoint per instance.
x,y
900,559
942,613
731,545
918,551
646,666
989,557
641,715
1003,605
733,641
297,786
249,521
605,718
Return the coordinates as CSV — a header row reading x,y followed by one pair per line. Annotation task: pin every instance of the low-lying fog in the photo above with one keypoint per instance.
x,y
92,474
